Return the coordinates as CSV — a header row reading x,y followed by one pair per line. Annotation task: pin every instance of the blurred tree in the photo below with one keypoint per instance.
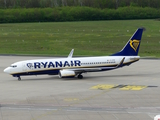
x,y
114,4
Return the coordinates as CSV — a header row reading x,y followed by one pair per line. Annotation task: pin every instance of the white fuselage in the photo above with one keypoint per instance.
x,y
52,66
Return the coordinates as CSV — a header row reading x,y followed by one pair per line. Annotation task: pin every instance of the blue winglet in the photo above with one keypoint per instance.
x,y
132,46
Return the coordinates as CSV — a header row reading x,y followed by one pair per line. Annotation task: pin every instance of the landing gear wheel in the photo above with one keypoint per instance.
x,y
19,78
80,76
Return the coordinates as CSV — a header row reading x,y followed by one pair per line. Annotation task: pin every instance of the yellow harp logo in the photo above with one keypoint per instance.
x,y
134,44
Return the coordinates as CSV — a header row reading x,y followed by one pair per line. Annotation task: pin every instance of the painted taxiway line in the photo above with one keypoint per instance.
x,y
121,87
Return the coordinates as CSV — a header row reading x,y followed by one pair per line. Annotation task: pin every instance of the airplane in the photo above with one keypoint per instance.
x,y
75,67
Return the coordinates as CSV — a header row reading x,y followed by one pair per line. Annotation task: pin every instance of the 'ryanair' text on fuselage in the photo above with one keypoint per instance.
x,y
54,64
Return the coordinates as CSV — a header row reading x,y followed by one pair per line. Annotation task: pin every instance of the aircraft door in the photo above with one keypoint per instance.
x,y
24,67
27,66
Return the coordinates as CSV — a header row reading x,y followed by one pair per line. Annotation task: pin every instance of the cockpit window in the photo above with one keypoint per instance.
x,y
13,66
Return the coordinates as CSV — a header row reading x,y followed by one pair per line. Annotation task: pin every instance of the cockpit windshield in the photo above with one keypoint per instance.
x,y
13,66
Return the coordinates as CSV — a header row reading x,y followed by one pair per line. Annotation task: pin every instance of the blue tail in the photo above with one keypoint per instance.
x,y
132,46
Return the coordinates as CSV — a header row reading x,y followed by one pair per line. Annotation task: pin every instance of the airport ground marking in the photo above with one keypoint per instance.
x,y
74,102
133,87
121,87
70,99
105,87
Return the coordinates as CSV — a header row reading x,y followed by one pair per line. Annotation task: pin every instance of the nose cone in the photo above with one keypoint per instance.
x,y
7,70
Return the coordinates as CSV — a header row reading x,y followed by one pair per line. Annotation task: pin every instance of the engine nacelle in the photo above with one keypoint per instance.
x,y
66,74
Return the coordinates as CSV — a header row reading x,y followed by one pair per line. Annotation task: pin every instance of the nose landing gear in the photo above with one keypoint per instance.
x,y
19,78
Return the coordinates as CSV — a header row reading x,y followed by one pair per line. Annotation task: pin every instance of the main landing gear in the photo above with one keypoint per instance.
x,y
19,78
80,76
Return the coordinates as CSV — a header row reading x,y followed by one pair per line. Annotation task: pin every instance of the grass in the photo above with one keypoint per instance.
x,y
93,38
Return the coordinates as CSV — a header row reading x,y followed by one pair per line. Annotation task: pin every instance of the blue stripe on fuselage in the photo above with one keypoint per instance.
x,y
42,72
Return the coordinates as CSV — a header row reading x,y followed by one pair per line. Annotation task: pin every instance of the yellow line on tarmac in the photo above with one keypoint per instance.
x,y
121,87
70,99
103,87
133,87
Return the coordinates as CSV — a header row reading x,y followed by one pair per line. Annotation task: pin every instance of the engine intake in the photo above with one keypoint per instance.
x,y
66,74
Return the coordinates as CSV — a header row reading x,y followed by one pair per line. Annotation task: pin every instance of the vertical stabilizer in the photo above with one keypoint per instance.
x,y
132,46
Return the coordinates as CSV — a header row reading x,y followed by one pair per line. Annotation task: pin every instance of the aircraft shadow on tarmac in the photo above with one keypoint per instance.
x,y
115,76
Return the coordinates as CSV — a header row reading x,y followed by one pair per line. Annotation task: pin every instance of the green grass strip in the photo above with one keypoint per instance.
x,y
91,38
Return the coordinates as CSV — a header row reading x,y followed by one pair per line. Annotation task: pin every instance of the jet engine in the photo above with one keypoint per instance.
x,y
66,74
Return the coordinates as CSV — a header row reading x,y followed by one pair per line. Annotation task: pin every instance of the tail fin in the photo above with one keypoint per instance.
x,y
132,46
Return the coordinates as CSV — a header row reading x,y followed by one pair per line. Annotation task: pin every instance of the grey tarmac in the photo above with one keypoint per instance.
x,y
131,92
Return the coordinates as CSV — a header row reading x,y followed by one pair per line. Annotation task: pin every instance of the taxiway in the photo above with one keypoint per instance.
x,y
126,93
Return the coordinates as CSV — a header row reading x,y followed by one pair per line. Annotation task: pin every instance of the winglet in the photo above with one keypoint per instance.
x,y
71,53
121,63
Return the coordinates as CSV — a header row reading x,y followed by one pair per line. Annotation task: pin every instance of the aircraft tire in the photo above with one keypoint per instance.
x,y
80,76
19,78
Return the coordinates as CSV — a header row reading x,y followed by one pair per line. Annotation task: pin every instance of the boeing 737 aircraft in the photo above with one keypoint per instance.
x,y
75,67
